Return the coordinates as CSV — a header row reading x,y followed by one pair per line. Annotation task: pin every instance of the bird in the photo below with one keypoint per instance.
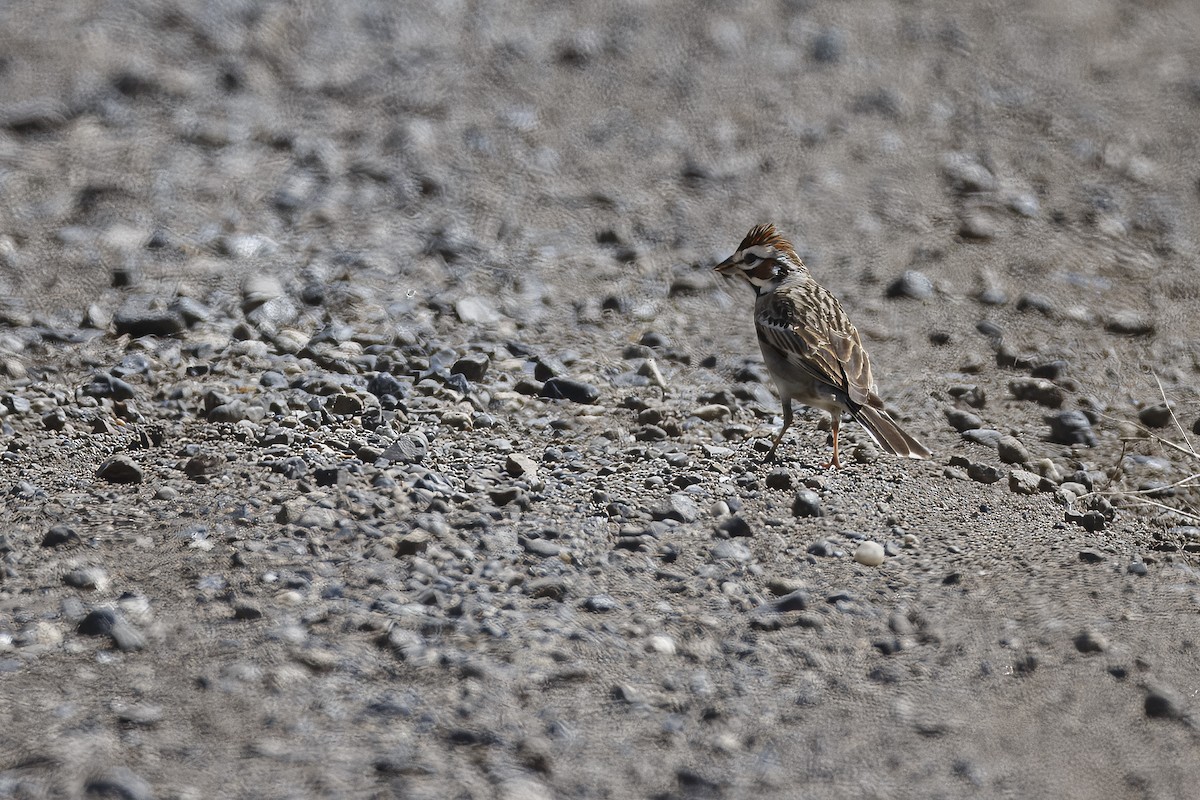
x,y
813,352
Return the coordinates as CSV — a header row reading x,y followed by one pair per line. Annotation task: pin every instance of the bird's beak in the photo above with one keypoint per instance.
x,y
726,267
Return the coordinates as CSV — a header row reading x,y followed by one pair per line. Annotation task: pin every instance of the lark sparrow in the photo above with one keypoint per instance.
x,y
813,352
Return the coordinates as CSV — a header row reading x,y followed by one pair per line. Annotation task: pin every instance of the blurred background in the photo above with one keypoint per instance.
x,y
1029,161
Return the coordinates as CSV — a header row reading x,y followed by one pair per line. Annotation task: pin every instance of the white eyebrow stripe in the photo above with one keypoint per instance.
x,y
759,250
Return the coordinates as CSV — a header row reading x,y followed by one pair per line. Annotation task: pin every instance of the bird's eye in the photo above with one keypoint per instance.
x,y
751,260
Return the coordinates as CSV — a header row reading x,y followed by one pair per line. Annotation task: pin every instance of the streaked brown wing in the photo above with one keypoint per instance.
x,y
807,325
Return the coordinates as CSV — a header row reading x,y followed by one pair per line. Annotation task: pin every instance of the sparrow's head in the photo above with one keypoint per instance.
x,y
764,258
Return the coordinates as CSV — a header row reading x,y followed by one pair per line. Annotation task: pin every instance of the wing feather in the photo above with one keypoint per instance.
x,y
807,326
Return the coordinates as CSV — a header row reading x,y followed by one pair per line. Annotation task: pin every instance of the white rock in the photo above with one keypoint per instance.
x,y
869,554
661,643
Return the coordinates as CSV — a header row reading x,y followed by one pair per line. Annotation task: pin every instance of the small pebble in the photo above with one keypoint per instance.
x,y
869,554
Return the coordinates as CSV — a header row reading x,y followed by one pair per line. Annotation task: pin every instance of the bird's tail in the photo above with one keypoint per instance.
x,y
888,435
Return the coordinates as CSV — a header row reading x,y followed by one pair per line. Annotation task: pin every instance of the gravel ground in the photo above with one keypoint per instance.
x,y
374,425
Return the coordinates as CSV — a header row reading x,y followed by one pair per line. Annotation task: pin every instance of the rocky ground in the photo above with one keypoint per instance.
x,y
374,426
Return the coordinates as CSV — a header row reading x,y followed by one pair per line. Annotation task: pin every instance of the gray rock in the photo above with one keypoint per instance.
x,y
570,389
978,224
1024,482
963,420
984,473
520,465
600,604
828,46
503,495
993,296
90,578
1090,641
472,367
258,289
1032,301
1011,451
678,507
735,526
1071,427
59,536
1051,370
119,469
1156,416
965,174
730,550
544,548
779,478
411,448
149,323
970,394
911,284
413,543
476,311
984,436
98,622
105,385
1164,702
807,503
1039,391
1130,323
117,783
797,600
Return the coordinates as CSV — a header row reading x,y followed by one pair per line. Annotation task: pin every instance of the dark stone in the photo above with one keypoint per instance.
x,y
60,535
1156,416
963,420
807,503
912,284
1091,556
828,46
1039,391
1050,371
105,385
1071,427
203,465
779,479
504,495
822,548
331,476
792,601
735,526
246,611
971,394
570,389
1031,301
149,323
1163,703
117,783
472,367
984,473
99,622
1130,323
1011,451
600,604
385,383
990,329
119,469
